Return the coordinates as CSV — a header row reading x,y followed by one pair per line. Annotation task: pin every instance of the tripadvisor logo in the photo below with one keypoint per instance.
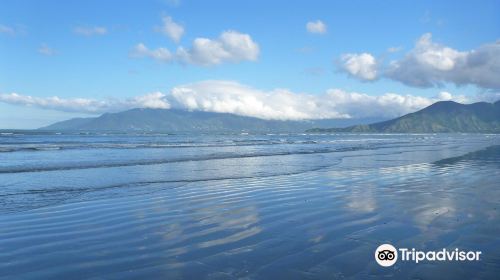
x,y
387,255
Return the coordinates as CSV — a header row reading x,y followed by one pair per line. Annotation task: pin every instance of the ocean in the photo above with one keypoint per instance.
x,y
245,206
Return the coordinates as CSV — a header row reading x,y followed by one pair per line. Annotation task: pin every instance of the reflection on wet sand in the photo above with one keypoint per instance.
x,y
313,223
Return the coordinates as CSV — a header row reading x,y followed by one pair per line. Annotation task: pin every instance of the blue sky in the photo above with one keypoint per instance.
x,y
88,50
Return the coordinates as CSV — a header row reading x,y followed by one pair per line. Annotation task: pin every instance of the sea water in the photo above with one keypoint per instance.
x,y
252,206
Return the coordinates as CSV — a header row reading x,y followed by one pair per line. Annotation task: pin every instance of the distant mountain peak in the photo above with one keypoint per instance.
x,y
176,120
442,116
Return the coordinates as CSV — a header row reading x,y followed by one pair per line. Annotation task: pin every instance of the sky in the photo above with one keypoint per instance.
x,y
268,59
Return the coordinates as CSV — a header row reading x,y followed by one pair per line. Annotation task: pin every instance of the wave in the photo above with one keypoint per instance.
x,y
31,199
43,191
218,156
50,147
233,143
9,147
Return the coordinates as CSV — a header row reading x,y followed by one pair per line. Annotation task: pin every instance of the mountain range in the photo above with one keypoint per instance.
x,y
443,116
174,120
440,117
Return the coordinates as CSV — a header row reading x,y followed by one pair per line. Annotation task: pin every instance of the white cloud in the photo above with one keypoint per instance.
x,y
46,50
282,104
435,56
363,105
444,95
316,27
90,31
85,105
431,64
231,46
362,66
171,29
159,54
7,29
154,100
233,97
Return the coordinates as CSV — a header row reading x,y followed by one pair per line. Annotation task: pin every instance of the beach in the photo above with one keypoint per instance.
x,y
245,206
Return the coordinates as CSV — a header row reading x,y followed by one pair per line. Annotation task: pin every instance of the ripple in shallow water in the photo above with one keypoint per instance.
x,y
318,224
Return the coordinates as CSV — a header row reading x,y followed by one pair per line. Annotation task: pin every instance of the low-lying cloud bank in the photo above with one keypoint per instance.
x,y
85,105
431,64
233,97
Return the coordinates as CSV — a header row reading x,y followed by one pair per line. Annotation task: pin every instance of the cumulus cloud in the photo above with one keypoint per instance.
x,y
362,105
171,29
233,97
446,96
44,49
159,54
431,64
316,27
85,105
90,31
282,104
361,66
156,100
231,46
